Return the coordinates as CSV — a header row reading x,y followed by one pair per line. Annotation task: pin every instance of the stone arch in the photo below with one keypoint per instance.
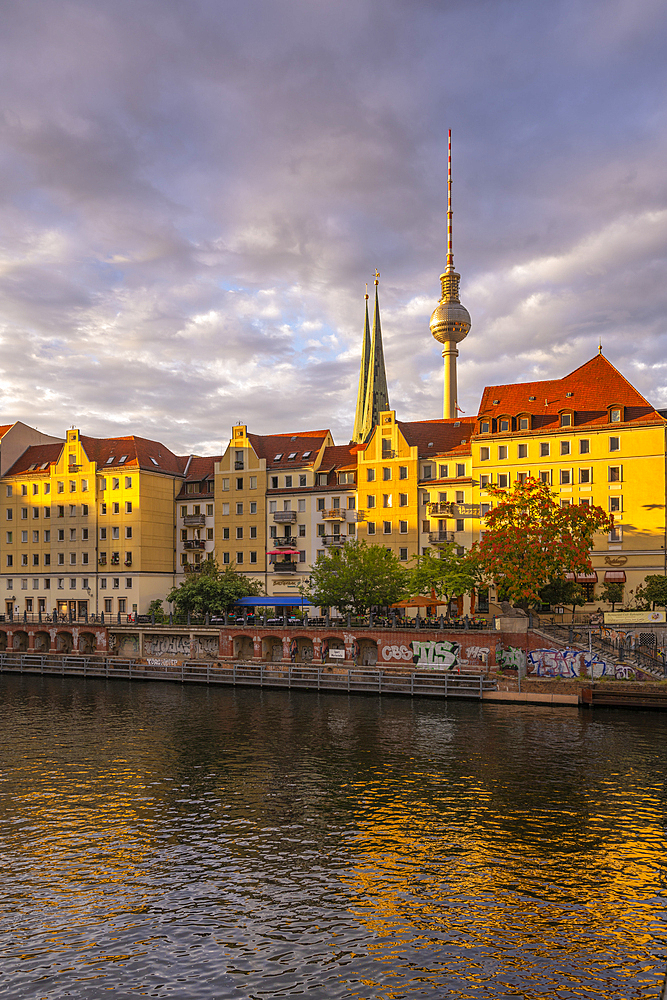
x,y
64,642
87,643
304,649
244,648
3,640
20,641
272,648
42,642
367,655
330,642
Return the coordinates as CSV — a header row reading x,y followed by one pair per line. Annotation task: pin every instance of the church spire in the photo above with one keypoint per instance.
x,y
450,321
372,397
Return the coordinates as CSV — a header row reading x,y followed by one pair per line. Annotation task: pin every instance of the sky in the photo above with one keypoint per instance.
x,y
194,193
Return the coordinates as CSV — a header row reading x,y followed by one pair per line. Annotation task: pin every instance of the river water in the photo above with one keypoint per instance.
x,y
160,841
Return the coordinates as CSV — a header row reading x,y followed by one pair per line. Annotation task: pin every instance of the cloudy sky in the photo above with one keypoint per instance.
x,y
193,194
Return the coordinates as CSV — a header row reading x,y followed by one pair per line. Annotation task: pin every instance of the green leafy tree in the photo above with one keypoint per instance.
x,y
212,590
654,591
612,593
357,577
445,574
155,608
567,592
529,539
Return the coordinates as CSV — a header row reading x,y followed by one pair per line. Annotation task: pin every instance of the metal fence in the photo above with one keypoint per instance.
x,y
425,683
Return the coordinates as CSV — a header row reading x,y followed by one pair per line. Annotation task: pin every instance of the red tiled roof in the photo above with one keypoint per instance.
x,y
437,437
595,386
36,454
201,467
269,445
141,452
339,456
4,428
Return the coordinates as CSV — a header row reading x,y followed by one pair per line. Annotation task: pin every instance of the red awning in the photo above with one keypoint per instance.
x,y
615,576
587,578
283,552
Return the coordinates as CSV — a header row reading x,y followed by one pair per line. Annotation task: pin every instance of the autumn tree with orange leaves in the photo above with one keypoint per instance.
x,y
530,540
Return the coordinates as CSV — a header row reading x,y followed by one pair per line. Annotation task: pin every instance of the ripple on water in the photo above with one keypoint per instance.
x,y
181,843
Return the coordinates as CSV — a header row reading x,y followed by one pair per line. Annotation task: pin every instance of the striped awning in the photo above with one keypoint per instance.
x,y
614,576
587,578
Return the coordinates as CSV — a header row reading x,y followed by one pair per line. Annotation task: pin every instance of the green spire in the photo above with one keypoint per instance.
x,y
373,397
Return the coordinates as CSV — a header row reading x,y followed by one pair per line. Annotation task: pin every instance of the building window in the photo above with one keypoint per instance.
x,y
566,419
225,484
523,424
387,500
545,477
274,482
427,472
128,507
24,513
128,583
565,503
323,479
403,555
614,444
253,531
239,532
288,482
239,483
460,471
460,496
108,605
484,427
128,532
61,487
370,526
544,449
370,501
9,513
565,447
239,508
225,508
239,558
615,473
584,446
585,475
121,605
386,527
615,416
35,513
522,477
426,526
484,455
402,499
370,475
615,504
565,477
403,527
253,482
115,532
302,480
209,533
503,480
209,509
523,451
504,424
616,534
460,524
253,557
402,472
502,451
386,473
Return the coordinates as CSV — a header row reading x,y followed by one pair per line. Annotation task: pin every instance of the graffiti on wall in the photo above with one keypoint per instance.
x,y
571,663
477,653
513,658
205,647
434,653
167,645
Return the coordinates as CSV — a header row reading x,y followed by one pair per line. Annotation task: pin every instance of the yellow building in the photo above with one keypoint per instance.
x,y
596,441
89,525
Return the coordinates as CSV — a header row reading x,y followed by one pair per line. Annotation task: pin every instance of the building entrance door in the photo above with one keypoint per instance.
x,y
82,609
62,607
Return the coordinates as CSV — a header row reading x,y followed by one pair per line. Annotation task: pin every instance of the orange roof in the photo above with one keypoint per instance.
x,y
340,456
4,428
201,467
304,447
588,391
138,452
35,457
437,437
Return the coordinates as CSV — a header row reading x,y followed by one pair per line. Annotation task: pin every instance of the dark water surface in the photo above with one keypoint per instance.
x,y
185,843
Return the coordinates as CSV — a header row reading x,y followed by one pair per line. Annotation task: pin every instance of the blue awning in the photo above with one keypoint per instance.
x,y
273,602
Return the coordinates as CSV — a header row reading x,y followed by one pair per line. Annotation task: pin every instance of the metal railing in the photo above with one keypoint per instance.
x,y
418,683
647,659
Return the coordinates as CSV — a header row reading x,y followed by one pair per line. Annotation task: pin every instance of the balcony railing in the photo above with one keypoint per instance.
x,y
333,539
285,517
388,453
454,509
195,543
284,567
334,514
238,465
194,520
439,537
284,542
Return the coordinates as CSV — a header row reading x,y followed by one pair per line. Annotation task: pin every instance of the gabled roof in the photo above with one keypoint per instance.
x,y
594,387
4,428
306,445
437,437
201,468
141,452
37,455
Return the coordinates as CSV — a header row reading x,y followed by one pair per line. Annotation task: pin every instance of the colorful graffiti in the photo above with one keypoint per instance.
x,y
570,663
513,658
433,653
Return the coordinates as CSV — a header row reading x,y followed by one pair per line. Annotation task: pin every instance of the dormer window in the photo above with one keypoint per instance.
x,y
484,427
496,402
504,424
531,399
277,457
291,456
306,454
524,423
566,419
615,415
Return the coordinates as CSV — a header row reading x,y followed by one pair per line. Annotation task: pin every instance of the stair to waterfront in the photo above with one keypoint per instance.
x,y
574,637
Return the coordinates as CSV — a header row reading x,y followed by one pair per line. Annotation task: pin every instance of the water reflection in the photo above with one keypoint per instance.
x,y
185,843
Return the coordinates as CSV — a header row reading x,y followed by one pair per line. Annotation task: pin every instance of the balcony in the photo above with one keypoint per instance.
x,y
454,509
332,539
334,514
194,520
285,517
284,542
195,543
388,453
284,567
440,537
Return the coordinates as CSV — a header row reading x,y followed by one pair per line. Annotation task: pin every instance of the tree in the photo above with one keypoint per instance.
x,y
357,577
653,592
567,592
529,540
445,574
212,590
612,593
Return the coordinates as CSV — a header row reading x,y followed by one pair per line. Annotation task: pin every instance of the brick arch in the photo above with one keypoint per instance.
x,y
64,642
244,648
3,640
20,641
42,642
87,643
366,650
272,648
